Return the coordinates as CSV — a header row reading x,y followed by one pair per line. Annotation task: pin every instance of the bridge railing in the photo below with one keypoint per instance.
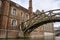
x,y
33,19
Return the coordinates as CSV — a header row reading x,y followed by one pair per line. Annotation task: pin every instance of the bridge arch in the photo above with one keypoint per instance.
x,y
40,24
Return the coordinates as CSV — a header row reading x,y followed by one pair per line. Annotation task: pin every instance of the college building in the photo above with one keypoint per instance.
x,y
12,15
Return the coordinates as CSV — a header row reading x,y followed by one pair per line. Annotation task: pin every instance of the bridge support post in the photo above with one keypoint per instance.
x,y
27,35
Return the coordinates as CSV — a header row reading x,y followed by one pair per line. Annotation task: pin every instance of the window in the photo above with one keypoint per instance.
x,y
26,16
17,5
14,11
13,22
21,14
0,6
0,3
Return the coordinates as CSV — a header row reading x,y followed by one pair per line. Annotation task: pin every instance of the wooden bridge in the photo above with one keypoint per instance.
x,y
43,18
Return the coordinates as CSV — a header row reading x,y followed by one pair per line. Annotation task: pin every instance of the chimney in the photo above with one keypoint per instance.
x,y
30,8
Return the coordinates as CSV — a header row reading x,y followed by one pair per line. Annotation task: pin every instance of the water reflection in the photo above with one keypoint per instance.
x,y
41,36
27,39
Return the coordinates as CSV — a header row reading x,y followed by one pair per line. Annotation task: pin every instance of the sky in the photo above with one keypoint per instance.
x,y
41,5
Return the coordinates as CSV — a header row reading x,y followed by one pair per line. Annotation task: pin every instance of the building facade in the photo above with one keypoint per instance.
x,y
13,15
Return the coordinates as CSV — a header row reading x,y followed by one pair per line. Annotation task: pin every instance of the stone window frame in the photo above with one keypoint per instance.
x,y
13,24
13,11
21,13
27,16
0,5
0,8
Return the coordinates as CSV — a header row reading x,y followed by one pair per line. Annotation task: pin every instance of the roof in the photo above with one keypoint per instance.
x,y
18,6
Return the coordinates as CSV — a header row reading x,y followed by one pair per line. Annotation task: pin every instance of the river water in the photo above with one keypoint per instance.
x,y
28,39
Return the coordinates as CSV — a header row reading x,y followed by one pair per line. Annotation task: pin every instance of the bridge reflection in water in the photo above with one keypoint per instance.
x,y
46,36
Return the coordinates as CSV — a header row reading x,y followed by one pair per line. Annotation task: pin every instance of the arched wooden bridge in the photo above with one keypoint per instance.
x,y
43,18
